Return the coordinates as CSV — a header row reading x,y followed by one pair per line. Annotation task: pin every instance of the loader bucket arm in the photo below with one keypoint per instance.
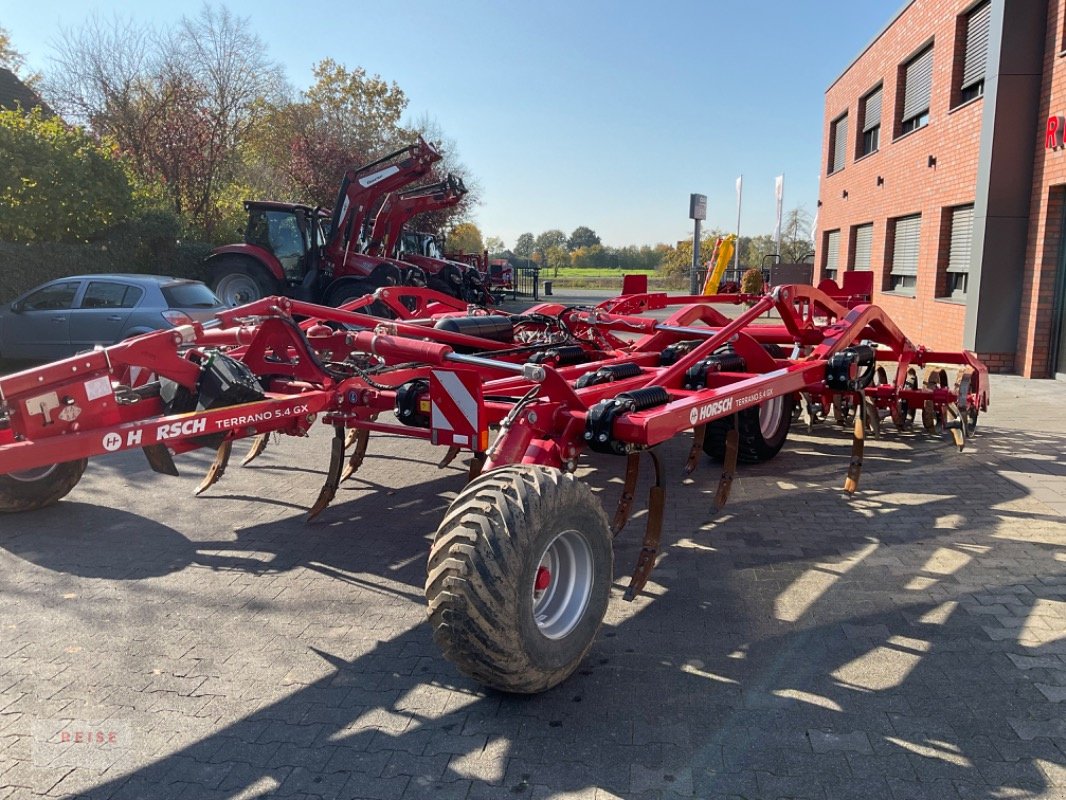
x,y
400,207
364,186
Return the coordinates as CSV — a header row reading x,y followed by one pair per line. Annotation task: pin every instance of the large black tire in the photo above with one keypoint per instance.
x,y
448,280
763,430
519,577
237,281
37,488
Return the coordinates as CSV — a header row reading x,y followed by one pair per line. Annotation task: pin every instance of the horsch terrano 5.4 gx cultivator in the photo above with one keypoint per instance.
x,y
520,570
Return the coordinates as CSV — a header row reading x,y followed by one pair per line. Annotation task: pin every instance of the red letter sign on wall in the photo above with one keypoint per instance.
x,y
1056,126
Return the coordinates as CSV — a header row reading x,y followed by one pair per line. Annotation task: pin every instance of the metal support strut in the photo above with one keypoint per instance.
x,y
360,439
851,483
699,433
217,468
333,475
259,444
653,533
729,465
625,502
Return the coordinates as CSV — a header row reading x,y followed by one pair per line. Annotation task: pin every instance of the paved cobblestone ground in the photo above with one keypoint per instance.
x,y
909,642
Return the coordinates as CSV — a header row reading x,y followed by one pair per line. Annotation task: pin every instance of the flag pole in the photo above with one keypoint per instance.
x,y
740,196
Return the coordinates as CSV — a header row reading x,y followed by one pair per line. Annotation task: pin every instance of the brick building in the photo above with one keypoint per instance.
x,y
944,173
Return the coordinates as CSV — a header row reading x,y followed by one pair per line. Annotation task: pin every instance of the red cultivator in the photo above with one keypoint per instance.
x,y
520,571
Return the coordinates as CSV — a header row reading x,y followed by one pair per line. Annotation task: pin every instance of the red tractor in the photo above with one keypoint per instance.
x,y
388,238
314,255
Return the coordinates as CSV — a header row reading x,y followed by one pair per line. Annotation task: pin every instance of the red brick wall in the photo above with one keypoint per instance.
x,y
910,185
1045,214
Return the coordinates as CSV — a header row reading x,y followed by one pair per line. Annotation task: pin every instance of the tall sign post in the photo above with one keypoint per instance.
x,y
697,210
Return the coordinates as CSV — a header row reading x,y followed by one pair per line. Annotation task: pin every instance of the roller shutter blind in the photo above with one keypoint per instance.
x,y
840,143
961,239
872,113
976,55
918,82
864,240
832,251
905,245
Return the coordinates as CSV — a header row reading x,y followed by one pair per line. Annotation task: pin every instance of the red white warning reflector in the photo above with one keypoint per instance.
x,y
456,414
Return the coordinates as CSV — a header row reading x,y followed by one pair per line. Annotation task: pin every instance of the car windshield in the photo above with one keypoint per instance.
x,y
189,295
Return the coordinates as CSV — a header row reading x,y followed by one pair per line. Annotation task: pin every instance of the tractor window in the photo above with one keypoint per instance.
x,y
286,238
433,248
56,297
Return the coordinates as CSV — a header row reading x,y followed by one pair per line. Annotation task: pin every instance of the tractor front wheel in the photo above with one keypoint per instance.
x,y
519,577
36,488
237,281
762,429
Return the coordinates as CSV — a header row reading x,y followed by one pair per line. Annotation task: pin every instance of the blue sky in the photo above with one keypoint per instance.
x,y
606,114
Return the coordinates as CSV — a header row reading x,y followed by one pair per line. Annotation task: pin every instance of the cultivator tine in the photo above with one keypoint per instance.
x,y
259,444
873,417
625,502
851,483
160,460
360,439
449,457
477,461
955,426
333,475
729,466
218,467
653,533
699,433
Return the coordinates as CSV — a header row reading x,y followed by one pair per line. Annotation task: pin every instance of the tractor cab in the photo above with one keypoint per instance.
x,y
420,244
288,231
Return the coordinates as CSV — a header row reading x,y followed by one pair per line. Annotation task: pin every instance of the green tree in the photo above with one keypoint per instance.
x,y
57,183
465,238
495,245
549,239
524,246
180,106
557,257
582,237
796,241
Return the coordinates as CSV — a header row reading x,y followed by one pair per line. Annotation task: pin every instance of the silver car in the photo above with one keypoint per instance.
x,y
69,315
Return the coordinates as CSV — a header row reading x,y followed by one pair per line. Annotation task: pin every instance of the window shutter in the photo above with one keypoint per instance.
x,y
976,45
864,239
961,239
840,143
918,82
872,114
832,251
905,245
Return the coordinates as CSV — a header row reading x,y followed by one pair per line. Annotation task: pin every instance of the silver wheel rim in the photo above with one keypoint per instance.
x,y
236,290
770,416
562,585
31,475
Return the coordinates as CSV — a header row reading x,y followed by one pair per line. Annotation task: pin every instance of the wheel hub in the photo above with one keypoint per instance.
x,y
562,585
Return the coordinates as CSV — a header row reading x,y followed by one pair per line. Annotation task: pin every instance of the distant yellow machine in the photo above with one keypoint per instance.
x,y
722,255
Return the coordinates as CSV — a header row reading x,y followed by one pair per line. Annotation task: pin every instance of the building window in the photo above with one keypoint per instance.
x,y
960,245
916,86
906,236
975,52
838,143
862,241
831,259
870,111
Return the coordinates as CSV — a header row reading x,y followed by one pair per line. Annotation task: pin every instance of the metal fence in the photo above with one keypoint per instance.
x,y
527,282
